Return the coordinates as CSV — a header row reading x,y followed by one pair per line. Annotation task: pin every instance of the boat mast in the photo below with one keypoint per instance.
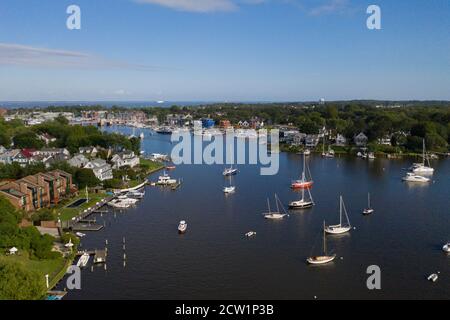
x,y
268,205
276,202
340,211
324,240
368,199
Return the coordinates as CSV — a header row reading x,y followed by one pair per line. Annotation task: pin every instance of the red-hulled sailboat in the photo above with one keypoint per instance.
x,y
304,182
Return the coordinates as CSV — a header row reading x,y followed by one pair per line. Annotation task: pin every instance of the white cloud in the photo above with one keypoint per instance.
x,y
21,55
201,6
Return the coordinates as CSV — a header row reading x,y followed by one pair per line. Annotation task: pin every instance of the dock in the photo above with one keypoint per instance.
x,y
86,227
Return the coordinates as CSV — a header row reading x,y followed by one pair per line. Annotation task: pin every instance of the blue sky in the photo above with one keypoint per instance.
x,y
224,50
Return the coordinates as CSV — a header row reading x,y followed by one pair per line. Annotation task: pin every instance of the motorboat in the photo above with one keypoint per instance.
x,y
433,277
136,194
83,261
250,234
326,257
182,227
80,235
230,189
446,247
411,177
165,180
343,226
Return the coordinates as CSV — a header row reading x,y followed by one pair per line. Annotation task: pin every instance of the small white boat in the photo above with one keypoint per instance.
x,y
142,136
275,215
119,204
230,172
229,189
182,227
250,234
369,209
371,156
80,235
433,277
411,177
126,199
446,247
307,152
83,261
136,194
166,180
340,228
325,258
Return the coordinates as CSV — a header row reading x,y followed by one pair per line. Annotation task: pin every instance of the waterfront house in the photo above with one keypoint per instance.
x,y
341,141
78,161
312,140
2,149
124,159
102,170
386,140
298,139
24,157
361,140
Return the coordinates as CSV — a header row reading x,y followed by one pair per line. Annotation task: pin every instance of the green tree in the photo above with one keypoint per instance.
x,y
18,283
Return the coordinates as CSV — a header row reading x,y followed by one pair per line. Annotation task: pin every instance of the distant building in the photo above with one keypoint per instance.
x,y
361,140
8,156
208,123
298,139
50,152
46,138
225,124
386,140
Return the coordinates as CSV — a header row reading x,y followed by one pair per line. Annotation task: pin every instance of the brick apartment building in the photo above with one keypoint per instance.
x,y
41,190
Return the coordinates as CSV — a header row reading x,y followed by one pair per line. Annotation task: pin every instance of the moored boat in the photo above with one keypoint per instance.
x,y
326,257
182,227
411,177
277,215
342,227
83,261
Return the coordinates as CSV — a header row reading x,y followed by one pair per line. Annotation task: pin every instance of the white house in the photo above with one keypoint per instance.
x,y
101,169
50,152
8,156
312,140
341,140
123,159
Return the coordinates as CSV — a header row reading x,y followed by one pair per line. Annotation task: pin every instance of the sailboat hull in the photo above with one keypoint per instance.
x,y
302,184
301,204
321,259
367,212
337,229
274,216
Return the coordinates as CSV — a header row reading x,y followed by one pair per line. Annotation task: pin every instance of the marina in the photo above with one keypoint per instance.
x,y
216,253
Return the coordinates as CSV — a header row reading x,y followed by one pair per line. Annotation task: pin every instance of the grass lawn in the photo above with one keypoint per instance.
x,y
66,213
150,165
51,267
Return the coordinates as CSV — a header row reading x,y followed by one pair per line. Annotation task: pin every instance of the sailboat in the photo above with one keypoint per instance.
x,y
303,182
325,258
275,215
422,167
340,228
369,209
230,171
330,153
303,203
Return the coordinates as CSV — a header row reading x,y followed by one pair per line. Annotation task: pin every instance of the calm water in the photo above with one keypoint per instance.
x,y
214,260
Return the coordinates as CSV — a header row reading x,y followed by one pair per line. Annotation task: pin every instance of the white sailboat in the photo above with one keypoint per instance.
x,y
303,203
229,189
275,215
411,177
369,209
340,228
182,227
446,247
422,167
325,258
